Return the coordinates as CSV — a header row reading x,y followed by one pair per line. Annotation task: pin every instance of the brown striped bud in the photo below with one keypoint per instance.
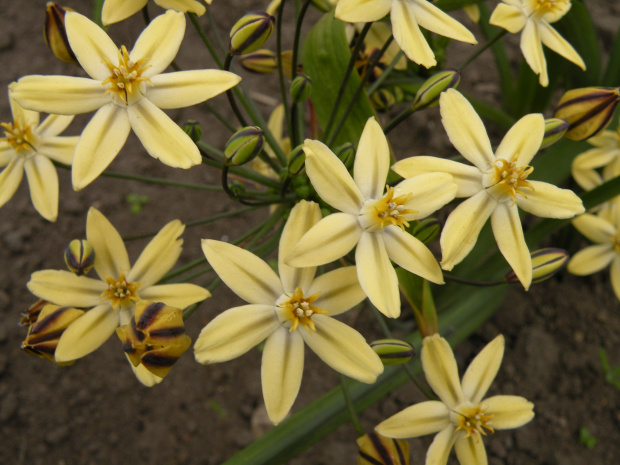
x,y
393,351
55,33
251,32
262,61
155,337
30,316
427,230
588,110
555,128
44,334
296,161
301,88
79,256
193,129
428,94
244,145
375,449
545,263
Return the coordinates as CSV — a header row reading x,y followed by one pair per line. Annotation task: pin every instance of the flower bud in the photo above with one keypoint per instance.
x,y
393,351
262,61
383,100
588,110
44,333
427,230
428,94
236,187
155,337
55,33
244,145
296,161
376,449
79,256
346,154
545,263
30,316
555,128
251,32
193,129
301,87
324,5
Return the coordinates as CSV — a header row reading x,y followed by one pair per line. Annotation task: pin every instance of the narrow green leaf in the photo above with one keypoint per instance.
x,y
612,73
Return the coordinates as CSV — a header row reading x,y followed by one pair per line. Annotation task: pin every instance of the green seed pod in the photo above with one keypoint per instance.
x,y
251,32
375,449
383,100
262,61
237,187
79,256
301,88
555,128
193,129
427,230
296,161
55,33
428,95
244,145
545,263
588,110
393,351
346,154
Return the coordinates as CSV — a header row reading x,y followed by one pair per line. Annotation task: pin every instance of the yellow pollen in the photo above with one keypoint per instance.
x,y
391,210
301,310
119,291
18,135
543,7
474,421
125,78
616,242
511,178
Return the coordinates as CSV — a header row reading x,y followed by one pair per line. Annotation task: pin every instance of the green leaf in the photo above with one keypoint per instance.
x,y
612,73
325,56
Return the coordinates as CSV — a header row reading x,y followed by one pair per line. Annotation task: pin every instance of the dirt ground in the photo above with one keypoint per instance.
x,y
96,413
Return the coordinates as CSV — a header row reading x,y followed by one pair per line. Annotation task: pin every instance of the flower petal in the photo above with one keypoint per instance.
x,y
54,125
187,88
281,371
614,272
20,113
531,47
10,177
549,201
439,450
411,254
43,184
243,272
595,228
144,376
591,259
508,17
436,20
179,295
429,192
365,11
234,332
340,290
418,420
343,349
66,289
441,371
114,11
159,42
523,140
408,36
331,179
161,137
372,161
465,129
376,274
552,39
471,451
508,234
87,333
185,6
482,370
509,411
331,238
112,258
59,149
102,139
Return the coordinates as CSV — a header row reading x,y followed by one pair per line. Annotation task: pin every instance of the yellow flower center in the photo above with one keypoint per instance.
x,y
18,135
388,210
300,310
555,9
505,180
472,419
616,241
125,78
119,291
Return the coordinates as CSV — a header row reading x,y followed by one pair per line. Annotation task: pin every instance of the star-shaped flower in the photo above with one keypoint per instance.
x,y
605,154
497,185
29,146
128,90
114,11
288,311
461,416
119,287
534,18
372,217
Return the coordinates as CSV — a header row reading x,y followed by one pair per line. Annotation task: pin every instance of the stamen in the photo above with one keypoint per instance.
x,y
302,310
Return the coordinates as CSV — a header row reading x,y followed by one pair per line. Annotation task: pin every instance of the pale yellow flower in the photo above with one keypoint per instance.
x,y
29,146
377,36
605,154
288,311
461,416
534,18
114,11
371,217
120,285
128,90
497,185
407,16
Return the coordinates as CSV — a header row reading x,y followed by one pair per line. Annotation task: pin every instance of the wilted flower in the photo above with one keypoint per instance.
x,y
375,449
114,11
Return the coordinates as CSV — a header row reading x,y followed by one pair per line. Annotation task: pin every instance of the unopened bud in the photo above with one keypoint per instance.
x,y
236,187
383,100
55,33
346,154
427,230
393,351
428,94
251,32
155,337
588,110
44,334
375,449
296,161
555,128
262,61
244,145
193,129
301,88
545,263
79,256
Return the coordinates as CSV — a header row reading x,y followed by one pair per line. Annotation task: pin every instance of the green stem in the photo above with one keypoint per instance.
x,y
375,85
350,407
145,14
477,53
218,36
194,19
402,116
160,181
287,115
469,282
231,95
211,109
295,135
